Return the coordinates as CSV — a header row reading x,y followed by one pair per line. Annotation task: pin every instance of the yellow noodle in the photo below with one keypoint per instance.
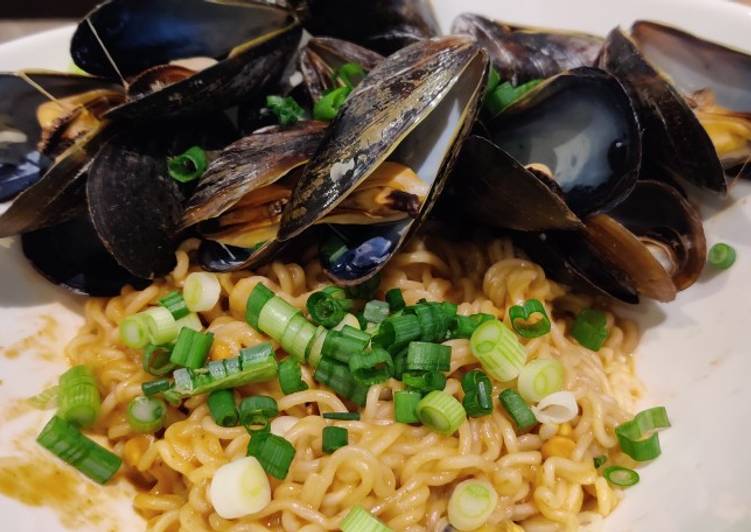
x,y
403,474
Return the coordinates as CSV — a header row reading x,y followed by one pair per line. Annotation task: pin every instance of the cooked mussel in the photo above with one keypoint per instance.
x,y
247,46
240,198
692,99
323,56
580,129
401,130
384,26
522,54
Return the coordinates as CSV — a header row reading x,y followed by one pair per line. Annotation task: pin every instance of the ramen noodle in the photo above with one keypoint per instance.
x,y
403,474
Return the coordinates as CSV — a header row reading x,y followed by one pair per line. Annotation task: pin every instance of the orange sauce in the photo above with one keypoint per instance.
x,y
43,343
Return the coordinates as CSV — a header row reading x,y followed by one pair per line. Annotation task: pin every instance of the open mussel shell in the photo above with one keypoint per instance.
x,y
674,139
581,128
384,26
249,44
323,56
243,193
492,188
412,111
72,256
522,54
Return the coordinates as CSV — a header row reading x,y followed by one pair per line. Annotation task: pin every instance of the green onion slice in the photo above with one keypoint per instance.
x,y
134,331
342,416
505,94
621,476
257,410
290,377
376,311
360,520
498,350
274,453
471,504
150,388
441,412
371,367
722,256
78,398
329,105
161,326
339,378
259,296
334,438
638,438
517,409
340,345
66,442
175,303
478,393
464,326
424,356
424,381
395,300
146,414
557,408
286,109
156,360
396,332
324,309
527,311
201,291
189,166
192,348
350,74
540,378
405,406
494,79
223,409
590,329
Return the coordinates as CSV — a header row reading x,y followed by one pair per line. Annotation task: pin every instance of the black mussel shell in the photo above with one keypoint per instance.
x,y
674,139
252,42
491,188
582,126
521,54
71,255
384,26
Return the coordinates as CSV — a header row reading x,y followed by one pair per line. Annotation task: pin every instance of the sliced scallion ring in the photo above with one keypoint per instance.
x,y
556,408
201,291
621,476
471,504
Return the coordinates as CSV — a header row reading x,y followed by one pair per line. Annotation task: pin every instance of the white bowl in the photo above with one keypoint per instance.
x,y
693,358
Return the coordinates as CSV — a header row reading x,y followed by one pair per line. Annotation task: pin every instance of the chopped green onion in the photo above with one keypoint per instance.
x,y
598,461
329,105
638,438
350,74
239,488
192,348
464,326
259,296
257,410
324,309
531,308
371,367
590,329
255,364
154,387
340,345
722,256
556,408
506,94
175,303
156,360
360,520
441,412
316,346
45,399
146,414
298,336
78,397
395,299
349,319
189,166
161,326
342,416
66,442
424,356
332,249
222,408
201,291
397,331
494,79
134,332
286,110
365,290
290,377
621,476
540,378
478,393
275,316
424,381
376,311
338,377
517,409
433,320
471,504
274,453
191,321
400,364
334,438
405,406
498,350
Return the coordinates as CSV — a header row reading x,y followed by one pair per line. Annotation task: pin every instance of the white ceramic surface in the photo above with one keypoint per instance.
x,y
694,356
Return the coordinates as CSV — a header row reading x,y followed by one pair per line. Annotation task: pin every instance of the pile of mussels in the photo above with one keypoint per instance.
x,y
586,171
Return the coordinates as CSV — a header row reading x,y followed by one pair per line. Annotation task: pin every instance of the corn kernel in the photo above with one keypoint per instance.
x,y
220,350
134,448
565,430
558,446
